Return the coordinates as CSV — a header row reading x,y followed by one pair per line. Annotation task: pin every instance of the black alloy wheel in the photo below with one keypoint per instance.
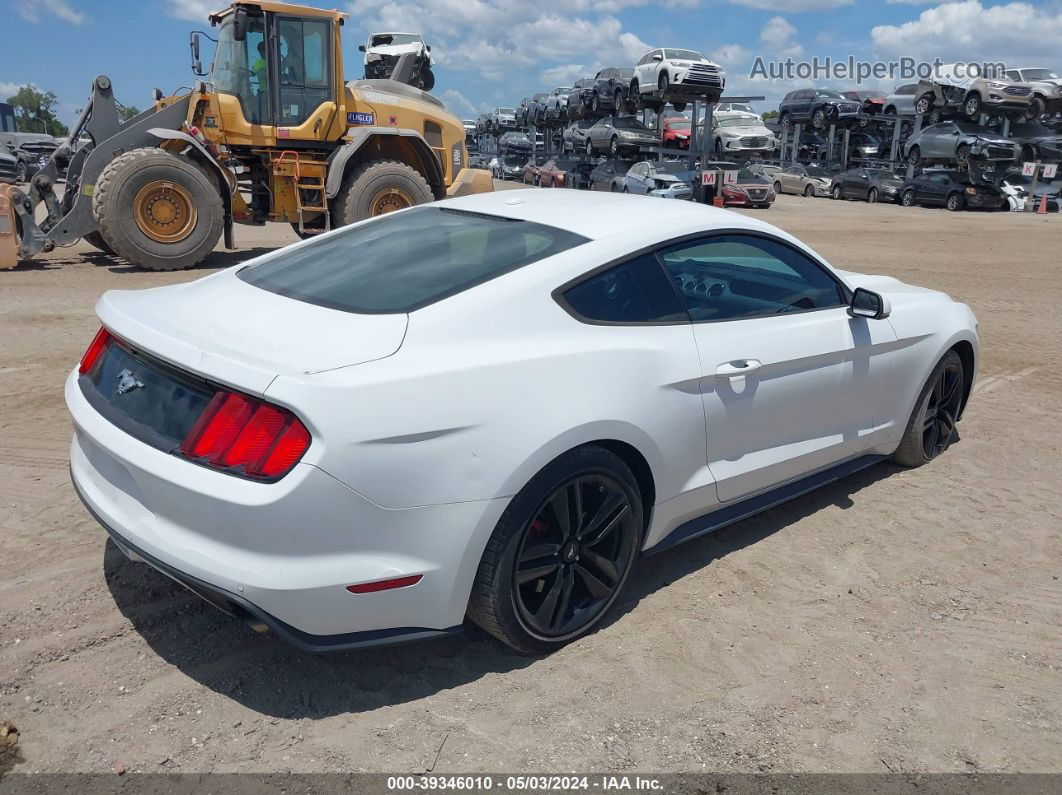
x,y
942,411
574,556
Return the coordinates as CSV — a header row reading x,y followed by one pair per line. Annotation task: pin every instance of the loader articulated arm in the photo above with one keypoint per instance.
x,y
71,217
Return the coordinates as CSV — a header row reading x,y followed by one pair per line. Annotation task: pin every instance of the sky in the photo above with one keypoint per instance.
x,y
495,52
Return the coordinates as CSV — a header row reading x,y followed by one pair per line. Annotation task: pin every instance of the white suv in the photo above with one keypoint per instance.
x,y
384,49
670,75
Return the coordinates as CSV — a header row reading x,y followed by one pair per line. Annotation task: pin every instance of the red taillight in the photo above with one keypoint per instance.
x,y
96,347
386,585
238,432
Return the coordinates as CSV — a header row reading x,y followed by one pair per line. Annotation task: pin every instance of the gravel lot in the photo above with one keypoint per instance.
x,y
894,621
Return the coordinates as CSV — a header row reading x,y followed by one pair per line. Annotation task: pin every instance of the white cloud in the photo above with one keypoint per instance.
x,y
777,36
1015,33
793,6
730,55
457,102
30,10
192,10
8,89
563,75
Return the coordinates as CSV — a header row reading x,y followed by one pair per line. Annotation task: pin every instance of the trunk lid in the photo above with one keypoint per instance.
x,y
224,329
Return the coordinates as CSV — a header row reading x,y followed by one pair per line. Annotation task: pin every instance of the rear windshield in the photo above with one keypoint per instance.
x,y
401,262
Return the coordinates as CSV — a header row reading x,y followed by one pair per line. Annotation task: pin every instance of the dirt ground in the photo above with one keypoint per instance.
x,y
894,621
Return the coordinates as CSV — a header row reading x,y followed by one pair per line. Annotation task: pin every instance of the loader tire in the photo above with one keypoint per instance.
x,y
95,239
157,210
377,187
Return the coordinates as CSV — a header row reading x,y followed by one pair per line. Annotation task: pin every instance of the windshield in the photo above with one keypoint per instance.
x,y
1039,74
628,123
828,92
387,39
674,168
626,74
816,171
880,173
402,261
683,55
240,68
506,111
514,160
738,122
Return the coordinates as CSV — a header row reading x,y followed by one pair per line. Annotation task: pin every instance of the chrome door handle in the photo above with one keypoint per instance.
x,y
738,367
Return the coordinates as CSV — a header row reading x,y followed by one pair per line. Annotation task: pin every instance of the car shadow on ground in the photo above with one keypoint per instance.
x,y
263,673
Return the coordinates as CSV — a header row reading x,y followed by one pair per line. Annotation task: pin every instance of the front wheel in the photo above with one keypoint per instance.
x,y
663,84
613,147
907,199
972,107
914,156
778,189
931,428
589,148
872,196
560,554
377,187
809,192
818,119
836,192
679,106
157,210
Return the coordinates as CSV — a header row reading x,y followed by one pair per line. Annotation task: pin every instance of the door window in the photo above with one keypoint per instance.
x,y
240,69
730,277
634,292
305,68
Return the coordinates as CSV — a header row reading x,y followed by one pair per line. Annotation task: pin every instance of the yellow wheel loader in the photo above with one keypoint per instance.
x,y
272,134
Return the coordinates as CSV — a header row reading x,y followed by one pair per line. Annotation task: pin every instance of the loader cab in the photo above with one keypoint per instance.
x,y
278,74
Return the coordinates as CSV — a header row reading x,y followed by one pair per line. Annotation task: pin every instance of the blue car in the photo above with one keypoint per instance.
x,y
667,180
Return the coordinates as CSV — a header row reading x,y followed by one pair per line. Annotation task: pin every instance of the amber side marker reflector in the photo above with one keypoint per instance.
x,y
386,585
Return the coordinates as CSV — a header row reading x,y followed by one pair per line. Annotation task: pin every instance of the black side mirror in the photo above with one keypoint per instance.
x,y
361,48
239,26
868,304
428,48
193,43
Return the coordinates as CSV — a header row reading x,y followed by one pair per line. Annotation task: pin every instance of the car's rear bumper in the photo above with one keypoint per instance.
x,y
285,551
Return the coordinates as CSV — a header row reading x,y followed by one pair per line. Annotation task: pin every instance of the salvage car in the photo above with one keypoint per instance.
x,y
867,184
556,106
953,91
573,139
952,189
579,98
514,142
509,166
607,175
740,132
864,146
1019,188
491,407
384,49
554,172
618,135
662,180
748,190
819,107
1037,142
901,101
503,119
1046,85
610,90
531,169
9,164
675,131
672,75
871,102
536,111
958,141
803,180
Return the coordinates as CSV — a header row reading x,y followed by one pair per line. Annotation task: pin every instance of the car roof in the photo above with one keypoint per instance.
x,y
599,215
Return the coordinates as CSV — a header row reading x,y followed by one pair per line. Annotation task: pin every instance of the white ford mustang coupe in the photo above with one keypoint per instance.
x,y
491,406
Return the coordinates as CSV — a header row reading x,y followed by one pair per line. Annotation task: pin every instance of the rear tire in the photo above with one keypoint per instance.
x,y
589,572
95,239
377,187
931,426
157,210
908,198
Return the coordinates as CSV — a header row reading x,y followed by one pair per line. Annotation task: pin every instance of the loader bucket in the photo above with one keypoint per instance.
x,y
8,227
471,180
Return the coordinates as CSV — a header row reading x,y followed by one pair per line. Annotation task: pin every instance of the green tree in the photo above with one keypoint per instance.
x,y
35,111
128,111
771,114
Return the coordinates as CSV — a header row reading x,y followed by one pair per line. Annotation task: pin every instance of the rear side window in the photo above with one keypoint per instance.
x,y
401,262
635,292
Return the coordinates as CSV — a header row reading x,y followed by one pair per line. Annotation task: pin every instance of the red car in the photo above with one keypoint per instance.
x,y
749,190
872,102
531,169
555,173
676,132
